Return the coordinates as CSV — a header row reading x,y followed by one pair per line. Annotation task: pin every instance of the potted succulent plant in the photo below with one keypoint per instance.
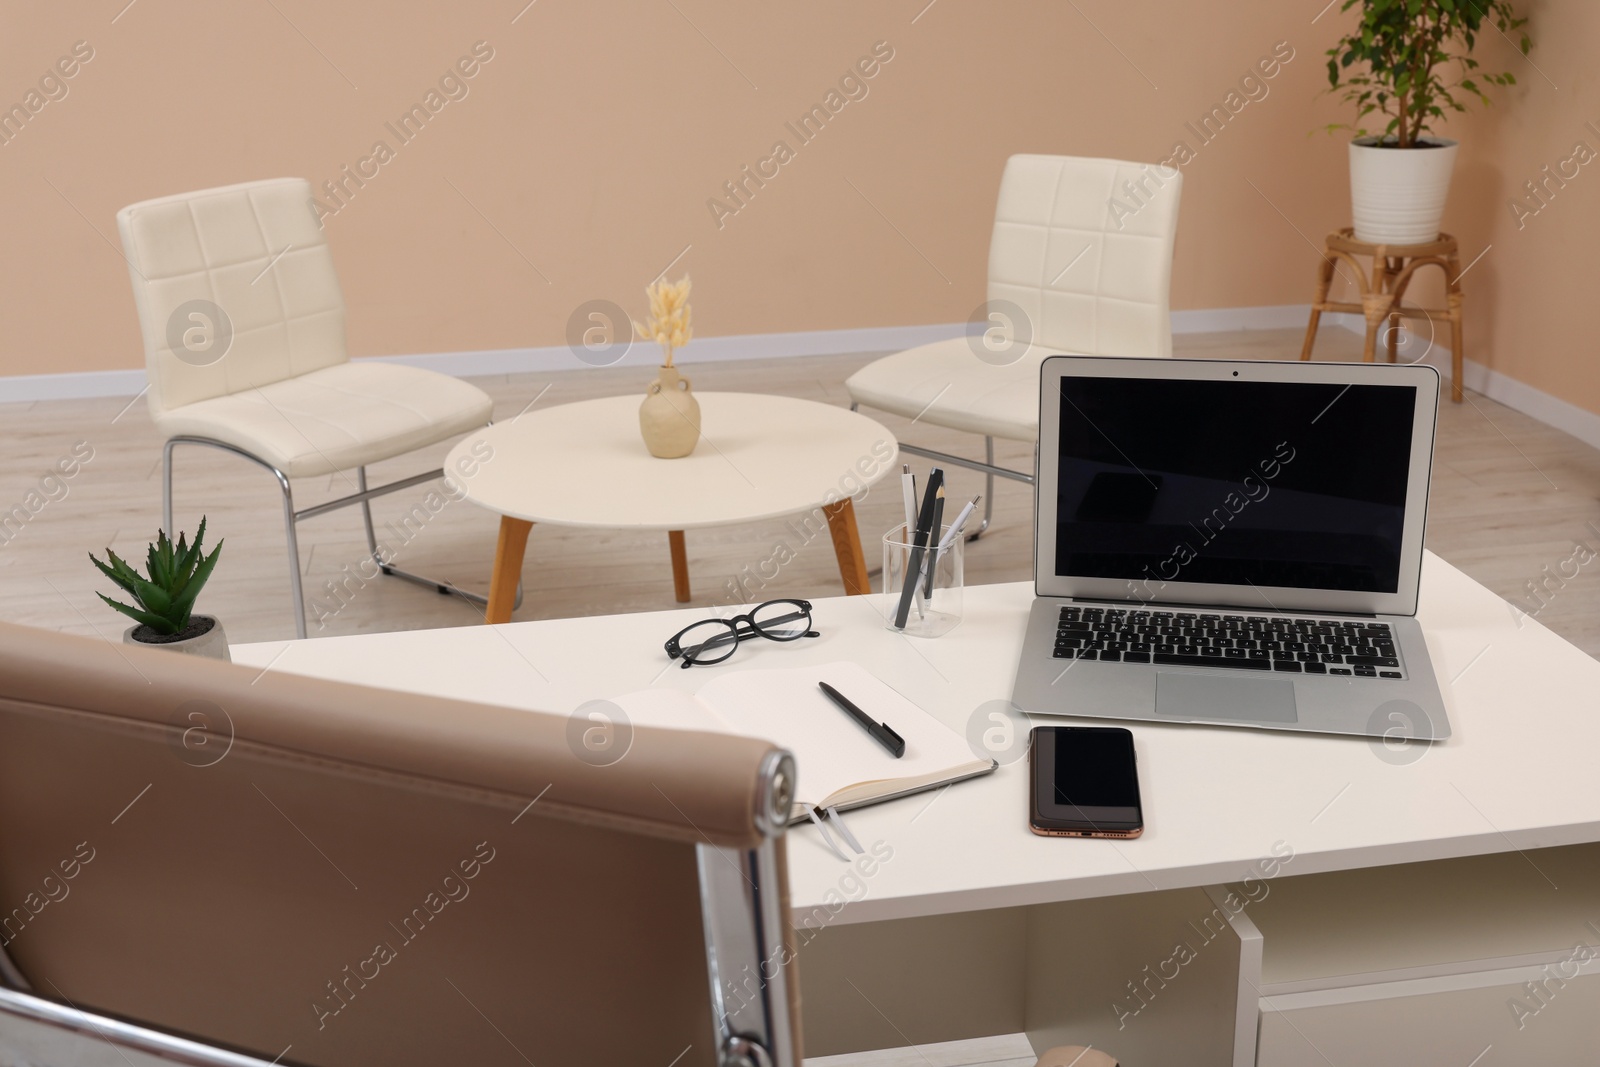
x,y
164,617
1406,61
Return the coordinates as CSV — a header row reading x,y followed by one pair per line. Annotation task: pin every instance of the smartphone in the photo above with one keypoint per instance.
x,y
1085,782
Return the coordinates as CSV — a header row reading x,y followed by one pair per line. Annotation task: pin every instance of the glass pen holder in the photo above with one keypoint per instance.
x,y
934,607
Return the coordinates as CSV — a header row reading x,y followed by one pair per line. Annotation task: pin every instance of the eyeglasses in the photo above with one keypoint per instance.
x,y
714,640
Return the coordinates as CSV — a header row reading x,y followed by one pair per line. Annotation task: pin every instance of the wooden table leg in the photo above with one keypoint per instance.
x,y
1458,341
847,546
507,568
1458,344
1376,303
680,566
1324,280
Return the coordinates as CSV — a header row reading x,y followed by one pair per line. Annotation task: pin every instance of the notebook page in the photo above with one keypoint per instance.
x,y
672,708
832,752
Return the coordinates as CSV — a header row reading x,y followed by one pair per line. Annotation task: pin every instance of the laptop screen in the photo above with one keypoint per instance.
x,y
1286,484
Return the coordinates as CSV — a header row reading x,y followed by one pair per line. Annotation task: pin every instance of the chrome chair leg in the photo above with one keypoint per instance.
x,y
291,519
166,486
366,515
988,490
988,467
296,593
442,588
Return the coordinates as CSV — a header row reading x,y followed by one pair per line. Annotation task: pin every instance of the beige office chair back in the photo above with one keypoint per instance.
x,y
1115,222
343,876
242,271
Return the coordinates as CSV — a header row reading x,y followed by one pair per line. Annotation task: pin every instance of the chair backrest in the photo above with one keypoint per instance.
x,y
1084,248
235,289
267,862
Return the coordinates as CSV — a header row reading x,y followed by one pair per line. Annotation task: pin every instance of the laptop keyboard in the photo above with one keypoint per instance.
x,y
1358,648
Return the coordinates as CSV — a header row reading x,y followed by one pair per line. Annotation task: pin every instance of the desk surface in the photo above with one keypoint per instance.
x,y
759,457
1519,773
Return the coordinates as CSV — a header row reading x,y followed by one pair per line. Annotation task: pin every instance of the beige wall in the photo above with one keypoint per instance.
x,y
593,139
1531,298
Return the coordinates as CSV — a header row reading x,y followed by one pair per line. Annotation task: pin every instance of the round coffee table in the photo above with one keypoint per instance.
x,y
584,464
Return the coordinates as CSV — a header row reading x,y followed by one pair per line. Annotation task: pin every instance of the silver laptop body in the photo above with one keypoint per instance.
x,y
1233,542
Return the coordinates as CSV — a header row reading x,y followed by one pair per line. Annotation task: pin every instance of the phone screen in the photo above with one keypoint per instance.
x,y
1086,780
1094,769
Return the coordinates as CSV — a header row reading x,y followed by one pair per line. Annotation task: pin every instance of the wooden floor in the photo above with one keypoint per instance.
x,y
1511,501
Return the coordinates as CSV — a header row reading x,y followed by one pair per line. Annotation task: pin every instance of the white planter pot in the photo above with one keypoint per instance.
x,y
212,643
1398,194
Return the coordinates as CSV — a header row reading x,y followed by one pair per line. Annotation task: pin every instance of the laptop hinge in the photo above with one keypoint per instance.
x,y
1145,605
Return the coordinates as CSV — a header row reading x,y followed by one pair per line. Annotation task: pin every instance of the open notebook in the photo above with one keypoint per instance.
x,y
838,764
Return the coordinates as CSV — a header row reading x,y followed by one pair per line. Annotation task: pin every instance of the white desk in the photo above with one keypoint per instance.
x,y
1518,773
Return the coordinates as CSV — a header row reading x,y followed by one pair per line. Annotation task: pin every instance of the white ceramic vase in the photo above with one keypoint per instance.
x,y
1397,195
213,643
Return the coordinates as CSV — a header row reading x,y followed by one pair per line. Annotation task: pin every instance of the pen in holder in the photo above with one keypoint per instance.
x,y
936,603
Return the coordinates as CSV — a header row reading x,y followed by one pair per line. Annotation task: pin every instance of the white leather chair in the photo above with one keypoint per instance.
x,y
1080,261
243,324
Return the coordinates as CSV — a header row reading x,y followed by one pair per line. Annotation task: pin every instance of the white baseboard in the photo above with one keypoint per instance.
x,y
1519,396
810,343
82,385
1221,320
488,362
485,362
1553,411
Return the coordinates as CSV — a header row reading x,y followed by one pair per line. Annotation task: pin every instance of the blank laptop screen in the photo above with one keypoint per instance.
x,y
1298,485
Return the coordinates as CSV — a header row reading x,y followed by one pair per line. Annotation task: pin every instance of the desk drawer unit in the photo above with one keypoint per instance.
x,y
1477,961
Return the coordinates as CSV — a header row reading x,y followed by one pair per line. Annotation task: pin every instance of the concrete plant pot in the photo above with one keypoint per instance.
x,y
1397,195
203,637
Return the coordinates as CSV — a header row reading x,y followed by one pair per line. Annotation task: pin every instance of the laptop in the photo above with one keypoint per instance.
x,y
1233,542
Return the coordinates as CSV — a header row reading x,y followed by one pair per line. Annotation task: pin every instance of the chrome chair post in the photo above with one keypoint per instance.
x,y
166,484
296,593
364,497
366,514
748,960
987,467
988,489
56,1035
291,519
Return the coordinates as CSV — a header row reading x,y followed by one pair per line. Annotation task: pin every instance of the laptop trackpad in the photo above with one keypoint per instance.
x,y
1225,697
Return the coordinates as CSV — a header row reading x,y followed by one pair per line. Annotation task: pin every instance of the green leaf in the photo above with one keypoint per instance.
x,y
177,573
1409,52
154,565
118,571
185,598
155,622
151,596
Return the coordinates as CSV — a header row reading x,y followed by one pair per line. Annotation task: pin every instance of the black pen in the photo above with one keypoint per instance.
x,y
880,731
924,535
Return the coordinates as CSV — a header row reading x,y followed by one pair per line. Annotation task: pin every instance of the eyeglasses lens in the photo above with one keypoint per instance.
x,y
782,620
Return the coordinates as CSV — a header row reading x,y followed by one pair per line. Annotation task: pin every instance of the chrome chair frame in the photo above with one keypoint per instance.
x,y
987,466
291,518
740,891
740,895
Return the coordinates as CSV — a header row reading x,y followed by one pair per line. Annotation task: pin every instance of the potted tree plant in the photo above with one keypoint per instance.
x,y
1406,61
166,597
